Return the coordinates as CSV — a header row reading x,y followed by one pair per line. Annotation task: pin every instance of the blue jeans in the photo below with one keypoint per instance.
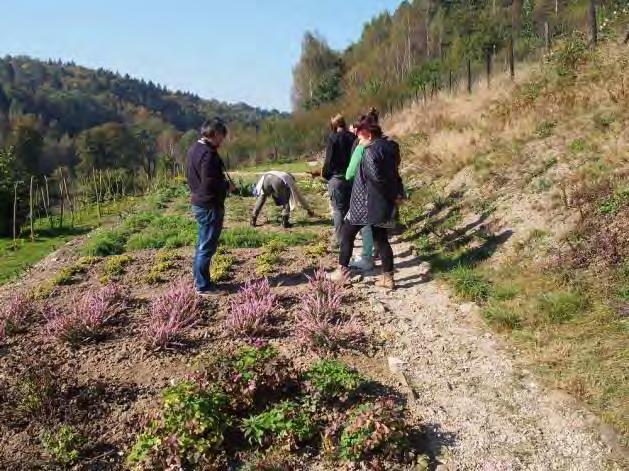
x,y
210,221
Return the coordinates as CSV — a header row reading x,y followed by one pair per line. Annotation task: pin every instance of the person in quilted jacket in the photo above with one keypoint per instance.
x,y
373,201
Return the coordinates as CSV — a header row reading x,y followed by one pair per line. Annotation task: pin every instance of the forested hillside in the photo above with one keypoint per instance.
x,y
428,46
62,120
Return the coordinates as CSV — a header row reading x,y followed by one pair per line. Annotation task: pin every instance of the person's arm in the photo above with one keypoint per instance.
x,y
212,178
326,173
354,163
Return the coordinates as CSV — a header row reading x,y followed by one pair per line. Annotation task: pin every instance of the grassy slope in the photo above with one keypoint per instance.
x,y
546,159
17,257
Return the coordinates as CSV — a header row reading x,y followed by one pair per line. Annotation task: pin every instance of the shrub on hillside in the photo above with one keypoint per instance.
x,y
17,312
86,317
171,314
319,322
251,310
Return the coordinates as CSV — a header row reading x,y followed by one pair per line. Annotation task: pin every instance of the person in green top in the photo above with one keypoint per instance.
x,y
365,261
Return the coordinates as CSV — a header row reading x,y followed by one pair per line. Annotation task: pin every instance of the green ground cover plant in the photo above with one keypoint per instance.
x,y
255,397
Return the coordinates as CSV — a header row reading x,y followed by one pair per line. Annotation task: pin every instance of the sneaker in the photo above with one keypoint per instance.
x,y
340,274
362,263
253,221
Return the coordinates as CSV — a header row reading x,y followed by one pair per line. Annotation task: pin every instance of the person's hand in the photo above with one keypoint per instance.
x,y
311,213
232,187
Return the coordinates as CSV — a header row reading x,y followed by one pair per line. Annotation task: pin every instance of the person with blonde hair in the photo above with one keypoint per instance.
x,y
338,152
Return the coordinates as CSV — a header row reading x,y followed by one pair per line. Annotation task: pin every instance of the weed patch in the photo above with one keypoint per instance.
x,y
502,317
469,284
561,306
63,445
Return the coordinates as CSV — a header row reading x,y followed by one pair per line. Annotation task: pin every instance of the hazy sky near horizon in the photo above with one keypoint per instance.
x,y
238,50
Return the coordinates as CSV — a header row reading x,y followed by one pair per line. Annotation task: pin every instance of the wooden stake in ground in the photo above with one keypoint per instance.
x,y
15,212
48,215
32,215
62,200
97,194
547,37
70,205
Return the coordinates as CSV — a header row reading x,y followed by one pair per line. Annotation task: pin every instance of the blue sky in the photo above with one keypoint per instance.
x,y
238,50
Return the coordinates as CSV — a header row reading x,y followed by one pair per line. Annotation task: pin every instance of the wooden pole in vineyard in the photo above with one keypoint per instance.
x,y
97,195
70,205
61,207
15,212
48,215
32,215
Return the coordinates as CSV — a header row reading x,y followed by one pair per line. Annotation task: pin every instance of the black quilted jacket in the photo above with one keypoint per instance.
x,y
376,187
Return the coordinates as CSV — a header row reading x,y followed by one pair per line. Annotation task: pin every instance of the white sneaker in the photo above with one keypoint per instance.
x,y
340,274
362,263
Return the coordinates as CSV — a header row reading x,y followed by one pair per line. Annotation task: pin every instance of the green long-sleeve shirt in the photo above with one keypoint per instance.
x,y
354,162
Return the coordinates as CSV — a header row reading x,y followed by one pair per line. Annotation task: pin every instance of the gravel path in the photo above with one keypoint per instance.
x,y
482,411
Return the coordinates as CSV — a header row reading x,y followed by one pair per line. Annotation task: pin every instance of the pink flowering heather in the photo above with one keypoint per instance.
x,y
319,322
16,313
87,316
250,311
171,314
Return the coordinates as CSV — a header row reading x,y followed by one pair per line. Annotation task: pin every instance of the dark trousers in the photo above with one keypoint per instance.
x,y
340,191
380,238
210,222
284,203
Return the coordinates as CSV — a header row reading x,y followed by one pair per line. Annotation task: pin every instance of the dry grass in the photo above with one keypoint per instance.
x,y
549,152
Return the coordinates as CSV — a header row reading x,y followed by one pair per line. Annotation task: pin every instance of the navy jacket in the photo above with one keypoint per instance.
x,y
206,177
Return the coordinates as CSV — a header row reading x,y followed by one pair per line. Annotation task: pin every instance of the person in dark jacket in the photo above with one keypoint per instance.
x,y
208,187
338,153
374,197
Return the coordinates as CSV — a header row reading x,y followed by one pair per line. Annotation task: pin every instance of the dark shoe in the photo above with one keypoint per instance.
x,y
253,221
286,223
213,290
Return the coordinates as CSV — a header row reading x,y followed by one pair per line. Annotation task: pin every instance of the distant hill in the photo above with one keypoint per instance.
x,y
69,98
